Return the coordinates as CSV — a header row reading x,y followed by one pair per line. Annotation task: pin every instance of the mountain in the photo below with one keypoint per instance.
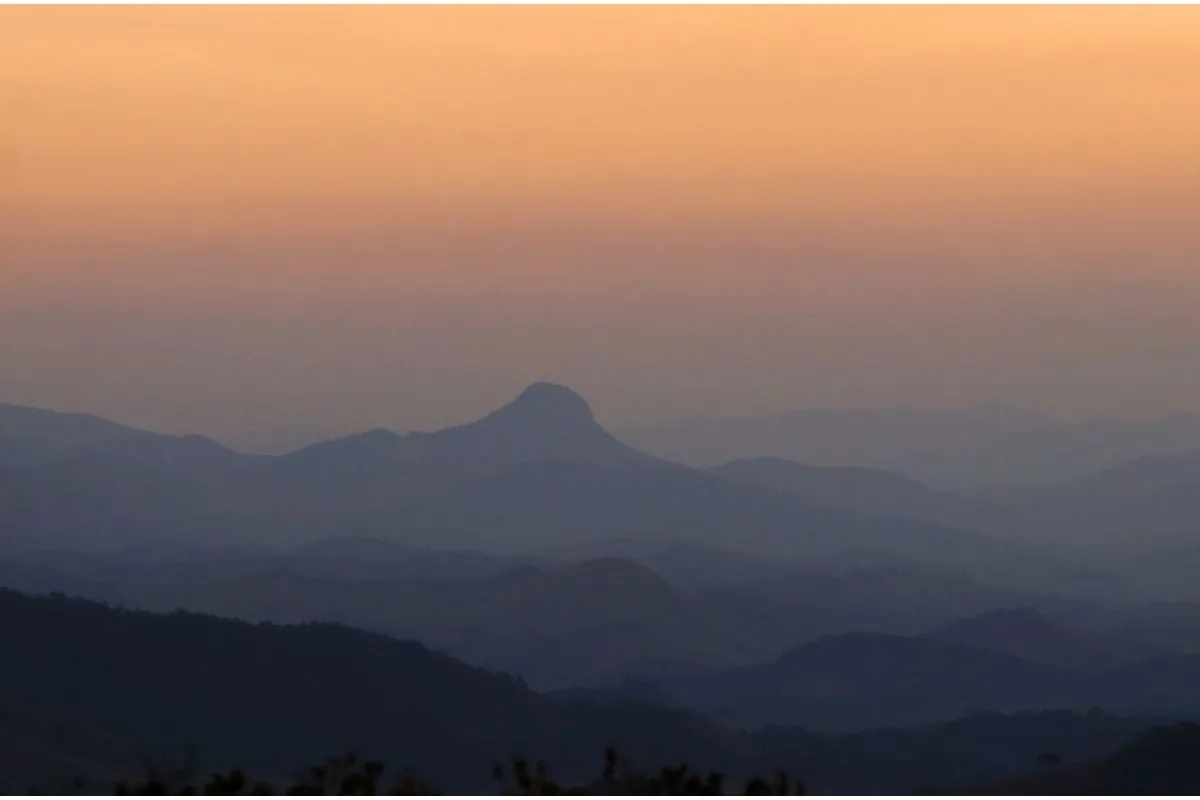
x,y
276,440
952,449
579,618
19,451
904,599
1026,634
683,563
1141,517
546,422
855,681
97,502
546,504
861,490
915,442
589,623
58,431
1068,450
535,474
32,436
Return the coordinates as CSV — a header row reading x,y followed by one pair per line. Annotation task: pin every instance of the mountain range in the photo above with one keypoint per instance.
x,y
948,449
537,473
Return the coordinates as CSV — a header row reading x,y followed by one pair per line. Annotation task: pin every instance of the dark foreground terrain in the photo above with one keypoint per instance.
x,y
97,693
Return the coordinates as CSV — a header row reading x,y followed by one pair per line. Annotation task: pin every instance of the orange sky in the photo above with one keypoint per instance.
x,y
696,177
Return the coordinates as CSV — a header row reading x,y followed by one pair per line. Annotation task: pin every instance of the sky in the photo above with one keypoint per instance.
x,y
223,218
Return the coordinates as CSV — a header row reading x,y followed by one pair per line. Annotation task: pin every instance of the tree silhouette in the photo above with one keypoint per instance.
x,y
349,775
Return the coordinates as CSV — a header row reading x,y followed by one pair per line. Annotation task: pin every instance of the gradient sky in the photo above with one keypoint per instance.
x,y
227,217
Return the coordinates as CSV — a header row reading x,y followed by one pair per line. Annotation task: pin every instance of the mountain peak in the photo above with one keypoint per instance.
x,y
551,402
546,422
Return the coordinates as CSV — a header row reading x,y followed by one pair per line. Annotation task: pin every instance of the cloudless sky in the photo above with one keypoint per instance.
x,y
226,217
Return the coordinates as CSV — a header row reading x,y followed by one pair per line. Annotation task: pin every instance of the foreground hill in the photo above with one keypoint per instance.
x,y
1163,761
273,697
92,684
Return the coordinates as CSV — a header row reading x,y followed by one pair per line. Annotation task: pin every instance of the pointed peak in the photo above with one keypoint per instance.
x,y
551,401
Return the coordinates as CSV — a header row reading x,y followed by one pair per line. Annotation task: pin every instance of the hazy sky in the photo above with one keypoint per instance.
x,y
216,218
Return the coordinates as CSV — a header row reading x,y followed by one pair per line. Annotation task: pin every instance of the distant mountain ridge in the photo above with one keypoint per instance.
x,y
537,473
912,441
949,449
861,489
1029,635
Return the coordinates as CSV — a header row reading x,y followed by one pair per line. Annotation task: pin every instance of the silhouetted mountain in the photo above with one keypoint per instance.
x,y
861,490
1068,450
946,449
276,440
1029,635
915,442
33,436
901,599
684,563
61,431
590,623
554,623
545,423
855,681
542,505
535,474
1170,626
865,680
97,502
1141,517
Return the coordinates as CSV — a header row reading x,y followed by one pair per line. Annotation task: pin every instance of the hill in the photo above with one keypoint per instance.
x,y
590,623
948,449
856,681
862,490
1029,635
1164,761
89,684
270,697
915,442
